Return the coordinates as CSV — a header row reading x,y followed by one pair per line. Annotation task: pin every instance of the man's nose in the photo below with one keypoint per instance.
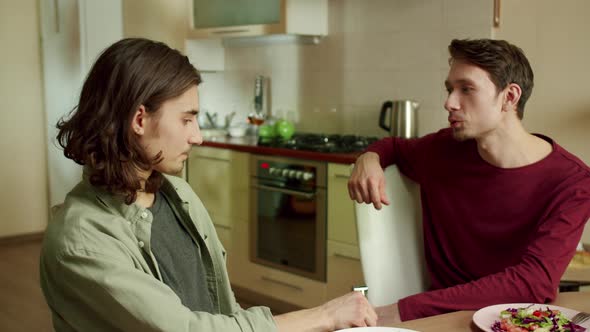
x,y
196,137
451,103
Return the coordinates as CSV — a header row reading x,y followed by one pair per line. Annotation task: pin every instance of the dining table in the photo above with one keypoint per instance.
x,y
461,321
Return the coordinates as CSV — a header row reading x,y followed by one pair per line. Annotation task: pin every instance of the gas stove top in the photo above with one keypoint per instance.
x,y
320,143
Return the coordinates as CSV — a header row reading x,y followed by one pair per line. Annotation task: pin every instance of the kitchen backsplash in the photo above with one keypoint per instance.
x,y
376,50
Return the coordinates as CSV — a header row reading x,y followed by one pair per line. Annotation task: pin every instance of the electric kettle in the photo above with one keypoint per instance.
x,y
402,118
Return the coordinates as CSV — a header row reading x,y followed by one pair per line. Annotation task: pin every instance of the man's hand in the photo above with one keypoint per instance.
x,y
388,315
350,310
367,181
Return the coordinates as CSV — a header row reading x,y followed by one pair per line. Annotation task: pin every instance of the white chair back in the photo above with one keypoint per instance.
x,y
391,242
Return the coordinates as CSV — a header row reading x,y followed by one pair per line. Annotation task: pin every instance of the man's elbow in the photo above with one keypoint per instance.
x,y
543,290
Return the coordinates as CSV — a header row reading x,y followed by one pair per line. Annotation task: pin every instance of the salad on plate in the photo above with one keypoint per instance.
x,y
534,319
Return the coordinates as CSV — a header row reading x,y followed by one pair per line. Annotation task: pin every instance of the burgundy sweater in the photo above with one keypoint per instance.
x,y
491,235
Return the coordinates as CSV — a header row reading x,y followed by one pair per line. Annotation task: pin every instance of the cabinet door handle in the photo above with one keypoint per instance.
x,y
496,13
224,32
282,283
222,226
346,176
285,191
339,255
213,158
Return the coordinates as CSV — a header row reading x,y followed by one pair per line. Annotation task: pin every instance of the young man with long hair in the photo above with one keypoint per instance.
x,y
132,248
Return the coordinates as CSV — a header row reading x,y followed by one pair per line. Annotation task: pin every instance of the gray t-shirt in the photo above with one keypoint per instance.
x,y
179,257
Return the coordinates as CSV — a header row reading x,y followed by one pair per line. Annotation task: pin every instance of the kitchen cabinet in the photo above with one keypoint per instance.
x,y
341,215
207,55
344,269
290,288
220,178
215,19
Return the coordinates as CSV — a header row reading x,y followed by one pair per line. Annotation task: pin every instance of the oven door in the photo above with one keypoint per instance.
x,y
288,229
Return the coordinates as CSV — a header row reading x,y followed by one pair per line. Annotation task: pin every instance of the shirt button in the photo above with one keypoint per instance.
x,y
129,223
140,244
144,215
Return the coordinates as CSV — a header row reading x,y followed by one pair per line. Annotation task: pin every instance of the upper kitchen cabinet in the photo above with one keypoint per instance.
x,y
242,18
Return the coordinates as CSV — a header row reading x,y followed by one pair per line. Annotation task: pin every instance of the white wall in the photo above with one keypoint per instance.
x,y
23,175
555,38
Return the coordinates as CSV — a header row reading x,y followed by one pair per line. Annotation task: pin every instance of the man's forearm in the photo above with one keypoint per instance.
x,y
307,320
388,315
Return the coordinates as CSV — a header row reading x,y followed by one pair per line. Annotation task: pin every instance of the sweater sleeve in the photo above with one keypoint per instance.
x,y
408,154
534,279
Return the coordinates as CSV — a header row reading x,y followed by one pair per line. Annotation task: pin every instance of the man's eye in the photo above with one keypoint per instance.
x,y
186,121
449,90
466,89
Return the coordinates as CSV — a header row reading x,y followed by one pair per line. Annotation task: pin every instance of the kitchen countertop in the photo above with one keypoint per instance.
x,y
250,144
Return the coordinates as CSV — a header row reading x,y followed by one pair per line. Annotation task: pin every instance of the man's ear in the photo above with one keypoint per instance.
x,y
511,97
139,122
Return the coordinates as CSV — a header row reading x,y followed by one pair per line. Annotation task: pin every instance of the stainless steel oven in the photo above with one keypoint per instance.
x,y
288,221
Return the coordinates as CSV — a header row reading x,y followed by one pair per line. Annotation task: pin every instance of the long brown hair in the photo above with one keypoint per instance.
x,y
504,62
129,73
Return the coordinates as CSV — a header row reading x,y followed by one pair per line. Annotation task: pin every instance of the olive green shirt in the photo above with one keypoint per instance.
x,y
98,272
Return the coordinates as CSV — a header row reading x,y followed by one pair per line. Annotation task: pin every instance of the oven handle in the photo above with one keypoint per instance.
x,y
285,191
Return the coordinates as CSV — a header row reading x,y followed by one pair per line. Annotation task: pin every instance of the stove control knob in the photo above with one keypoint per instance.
x,y
299,175
307,176
285,172
291,173
272,170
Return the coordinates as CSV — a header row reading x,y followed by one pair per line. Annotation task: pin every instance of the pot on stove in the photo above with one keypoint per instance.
x,y
402,118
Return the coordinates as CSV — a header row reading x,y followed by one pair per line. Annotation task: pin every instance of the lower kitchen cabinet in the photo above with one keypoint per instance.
x,y
283,286
238,260
224,233
344,269
341,215
220,178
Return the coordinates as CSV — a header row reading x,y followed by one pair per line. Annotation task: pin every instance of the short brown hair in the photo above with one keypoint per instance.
x,y
129,73
504,62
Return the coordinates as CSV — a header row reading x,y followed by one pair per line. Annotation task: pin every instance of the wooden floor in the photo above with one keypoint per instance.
x,y
22,306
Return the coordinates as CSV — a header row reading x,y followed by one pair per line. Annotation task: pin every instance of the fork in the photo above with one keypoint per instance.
x,y
580,317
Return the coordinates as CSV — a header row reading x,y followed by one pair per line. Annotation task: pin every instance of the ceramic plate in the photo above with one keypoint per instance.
x,y
485,317
375,329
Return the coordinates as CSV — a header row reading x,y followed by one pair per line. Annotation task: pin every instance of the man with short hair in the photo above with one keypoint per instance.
x,y
503,209
133,248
